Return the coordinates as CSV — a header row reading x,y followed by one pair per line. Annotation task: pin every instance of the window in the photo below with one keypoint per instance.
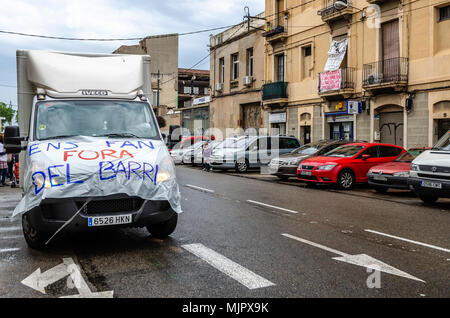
x,y
250,62
444,13
289,143
279,64
386,151
222,70
306,61
196,90
235,67
206,90
186,89
372,151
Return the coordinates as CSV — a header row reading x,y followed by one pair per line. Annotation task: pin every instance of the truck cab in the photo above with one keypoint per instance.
x,y
90,146
430,172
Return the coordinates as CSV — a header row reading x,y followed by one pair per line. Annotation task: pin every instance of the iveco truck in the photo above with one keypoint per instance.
x,y
91,151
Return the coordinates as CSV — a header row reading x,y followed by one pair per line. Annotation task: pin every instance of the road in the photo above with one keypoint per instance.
x,y
242,237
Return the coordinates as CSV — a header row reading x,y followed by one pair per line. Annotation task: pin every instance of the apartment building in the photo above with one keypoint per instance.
x,y
237,74
375,70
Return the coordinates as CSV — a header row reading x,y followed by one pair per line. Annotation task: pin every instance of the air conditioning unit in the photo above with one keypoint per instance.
x,y
374,79
248,80
218,87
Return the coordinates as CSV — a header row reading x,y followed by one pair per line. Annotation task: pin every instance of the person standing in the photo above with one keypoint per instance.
x,y
3,162
10,162
206,156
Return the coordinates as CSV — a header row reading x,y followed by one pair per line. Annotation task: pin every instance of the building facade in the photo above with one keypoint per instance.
x,y
375,70
237,75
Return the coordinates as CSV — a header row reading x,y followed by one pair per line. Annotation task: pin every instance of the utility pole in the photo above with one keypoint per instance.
x,y
248,17
157,93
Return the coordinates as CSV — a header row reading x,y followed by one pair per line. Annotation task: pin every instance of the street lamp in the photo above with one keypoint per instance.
x,y
339,5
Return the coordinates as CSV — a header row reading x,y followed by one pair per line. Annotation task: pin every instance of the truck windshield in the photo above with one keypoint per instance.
x,y
59,119
444,143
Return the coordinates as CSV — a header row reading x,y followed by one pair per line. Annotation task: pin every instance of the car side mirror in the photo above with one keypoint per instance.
x,y
13,141
365,157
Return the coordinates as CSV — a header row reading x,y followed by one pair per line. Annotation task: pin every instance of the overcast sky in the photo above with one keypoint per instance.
x,y
110,19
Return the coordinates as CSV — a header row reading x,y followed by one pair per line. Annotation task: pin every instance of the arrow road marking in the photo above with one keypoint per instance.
x,y
359,260
199,188
244,276
410,241
38,281
271,206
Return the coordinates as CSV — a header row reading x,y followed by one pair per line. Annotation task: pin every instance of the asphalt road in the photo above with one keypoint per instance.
x,y
288,241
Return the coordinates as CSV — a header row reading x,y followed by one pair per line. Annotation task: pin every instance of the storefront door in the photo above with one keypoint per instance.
x,y
279,129
305,134
391,128
341,131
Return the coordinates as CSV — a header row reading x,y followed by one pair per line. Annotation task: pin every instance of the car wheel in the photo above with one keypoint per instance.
x,y
381,190
430,199
242,166
35,238
346,179
164,229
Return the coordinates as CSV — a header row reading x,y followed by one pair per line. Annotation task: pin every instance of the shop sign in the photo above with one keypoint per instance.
x,y
275,118
353,107
330,80
339,118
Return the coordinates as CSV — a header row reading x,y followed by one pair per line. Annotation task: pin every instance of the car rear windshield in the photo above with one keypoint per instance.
x,y
345,151
59,119
409,156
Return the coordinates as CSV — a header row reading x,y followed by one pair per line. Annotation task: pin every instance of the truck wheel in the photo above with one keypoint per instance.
x,y
164,229
35,238
430,199
242,166
346,179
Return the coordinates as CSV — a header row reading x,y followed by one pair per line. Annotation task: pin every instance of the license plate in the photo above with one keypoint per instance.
x,y
380,178
109,220
429,184
306,173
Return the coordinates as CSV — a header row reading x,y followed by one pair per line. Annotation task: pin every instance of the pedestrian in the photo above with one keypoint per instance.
x,y
3,162
10,166
206,156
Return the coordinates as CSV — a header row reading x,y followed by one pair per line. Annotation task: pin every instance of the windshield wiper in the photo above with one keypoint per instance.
x,y
119,135
59,137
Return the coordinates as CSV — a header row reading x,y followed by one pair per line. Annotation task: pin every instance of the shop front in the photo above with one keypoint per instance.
x,y
340,119
277,123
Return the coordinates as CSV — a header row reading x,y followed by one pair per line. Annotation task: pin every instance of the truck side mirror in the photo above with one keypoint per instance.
x,y
13,139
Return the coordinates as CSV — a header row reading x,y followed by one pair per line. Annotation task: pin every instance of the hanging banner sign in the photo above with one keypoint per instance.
x,y
330,80
336,54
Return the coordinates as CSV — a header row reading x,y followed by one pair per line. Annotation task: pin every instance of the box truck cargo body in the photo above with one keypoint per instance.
x,y
91,152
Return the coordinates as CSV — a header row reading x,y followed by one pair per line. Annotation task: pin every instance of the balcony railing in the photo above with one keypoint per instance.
x,y
329,8
387,71
277,30
337,80
275,90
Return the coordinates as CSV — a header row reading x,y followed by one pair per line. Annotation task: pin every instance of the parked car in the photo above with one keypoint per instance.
x,y
347,164
285,166
393,174
188,155
430,172
252,152
198,159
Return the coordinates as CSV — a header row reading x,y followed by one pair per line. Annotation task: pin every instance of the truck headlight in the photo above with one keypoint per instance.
x,y
401,174
163,176
326,167
414,167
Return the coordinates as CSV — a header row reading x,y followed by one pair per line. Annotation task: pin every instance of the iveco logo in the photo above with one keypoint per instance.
x,y
434,169
94,93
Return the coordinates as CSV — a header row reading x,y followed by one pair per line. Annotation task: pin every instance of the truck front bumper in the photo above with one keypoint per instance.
x,y
51,214
416,185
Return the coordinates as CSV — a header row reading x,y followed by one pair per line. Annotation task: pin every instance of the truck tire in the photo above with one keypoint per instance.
x,y
164,229
430,199
35,238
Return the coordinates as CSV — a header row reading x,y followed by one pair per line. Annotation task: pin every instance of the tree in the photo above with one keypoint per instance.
x,y
7,113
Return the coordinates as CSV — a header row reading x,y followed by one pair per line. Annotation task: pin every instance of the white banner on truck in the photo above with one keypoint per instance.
x,y
336,54
97,166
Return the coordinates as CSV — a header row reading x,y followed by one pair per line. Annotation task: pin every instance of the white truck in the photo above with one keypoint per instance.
x,y
430,172
91,152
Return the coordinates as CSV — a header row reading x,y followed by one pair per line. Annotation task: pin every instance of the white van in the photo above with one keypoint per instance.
x,y
91,152
430,172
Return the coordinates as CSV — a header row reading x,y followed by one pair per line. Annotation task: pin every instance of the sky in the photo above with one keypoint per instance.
x,y
110,19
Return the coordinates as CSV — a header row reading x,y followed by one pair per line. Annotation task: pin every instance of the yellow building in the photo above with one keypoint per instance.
x,y
365,70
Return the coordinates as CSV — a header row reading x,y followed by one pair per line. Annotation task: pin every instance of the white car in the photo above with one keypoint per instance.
x,y
188,155
430,172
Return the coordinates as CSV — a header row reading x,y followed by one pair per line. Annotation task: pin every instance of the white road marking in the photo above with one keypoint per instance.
x,y
410,241
39,281
11,237
5,250
199,188
363,260
272,206
10,229
244,276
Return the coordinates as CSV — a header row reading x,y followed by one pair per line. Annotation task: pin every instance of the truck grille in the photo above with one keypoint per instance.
x,y
434,169
111,206
433,176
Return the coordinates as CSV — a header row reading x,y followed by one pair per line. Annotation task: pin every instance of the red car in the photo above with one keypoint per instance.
x,y
393,174
347,164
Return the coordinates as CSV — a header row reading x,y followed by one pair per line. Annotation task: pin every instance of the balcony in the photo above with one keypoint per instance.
x,y
331,12
386,75
276,34
275,93
337,84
